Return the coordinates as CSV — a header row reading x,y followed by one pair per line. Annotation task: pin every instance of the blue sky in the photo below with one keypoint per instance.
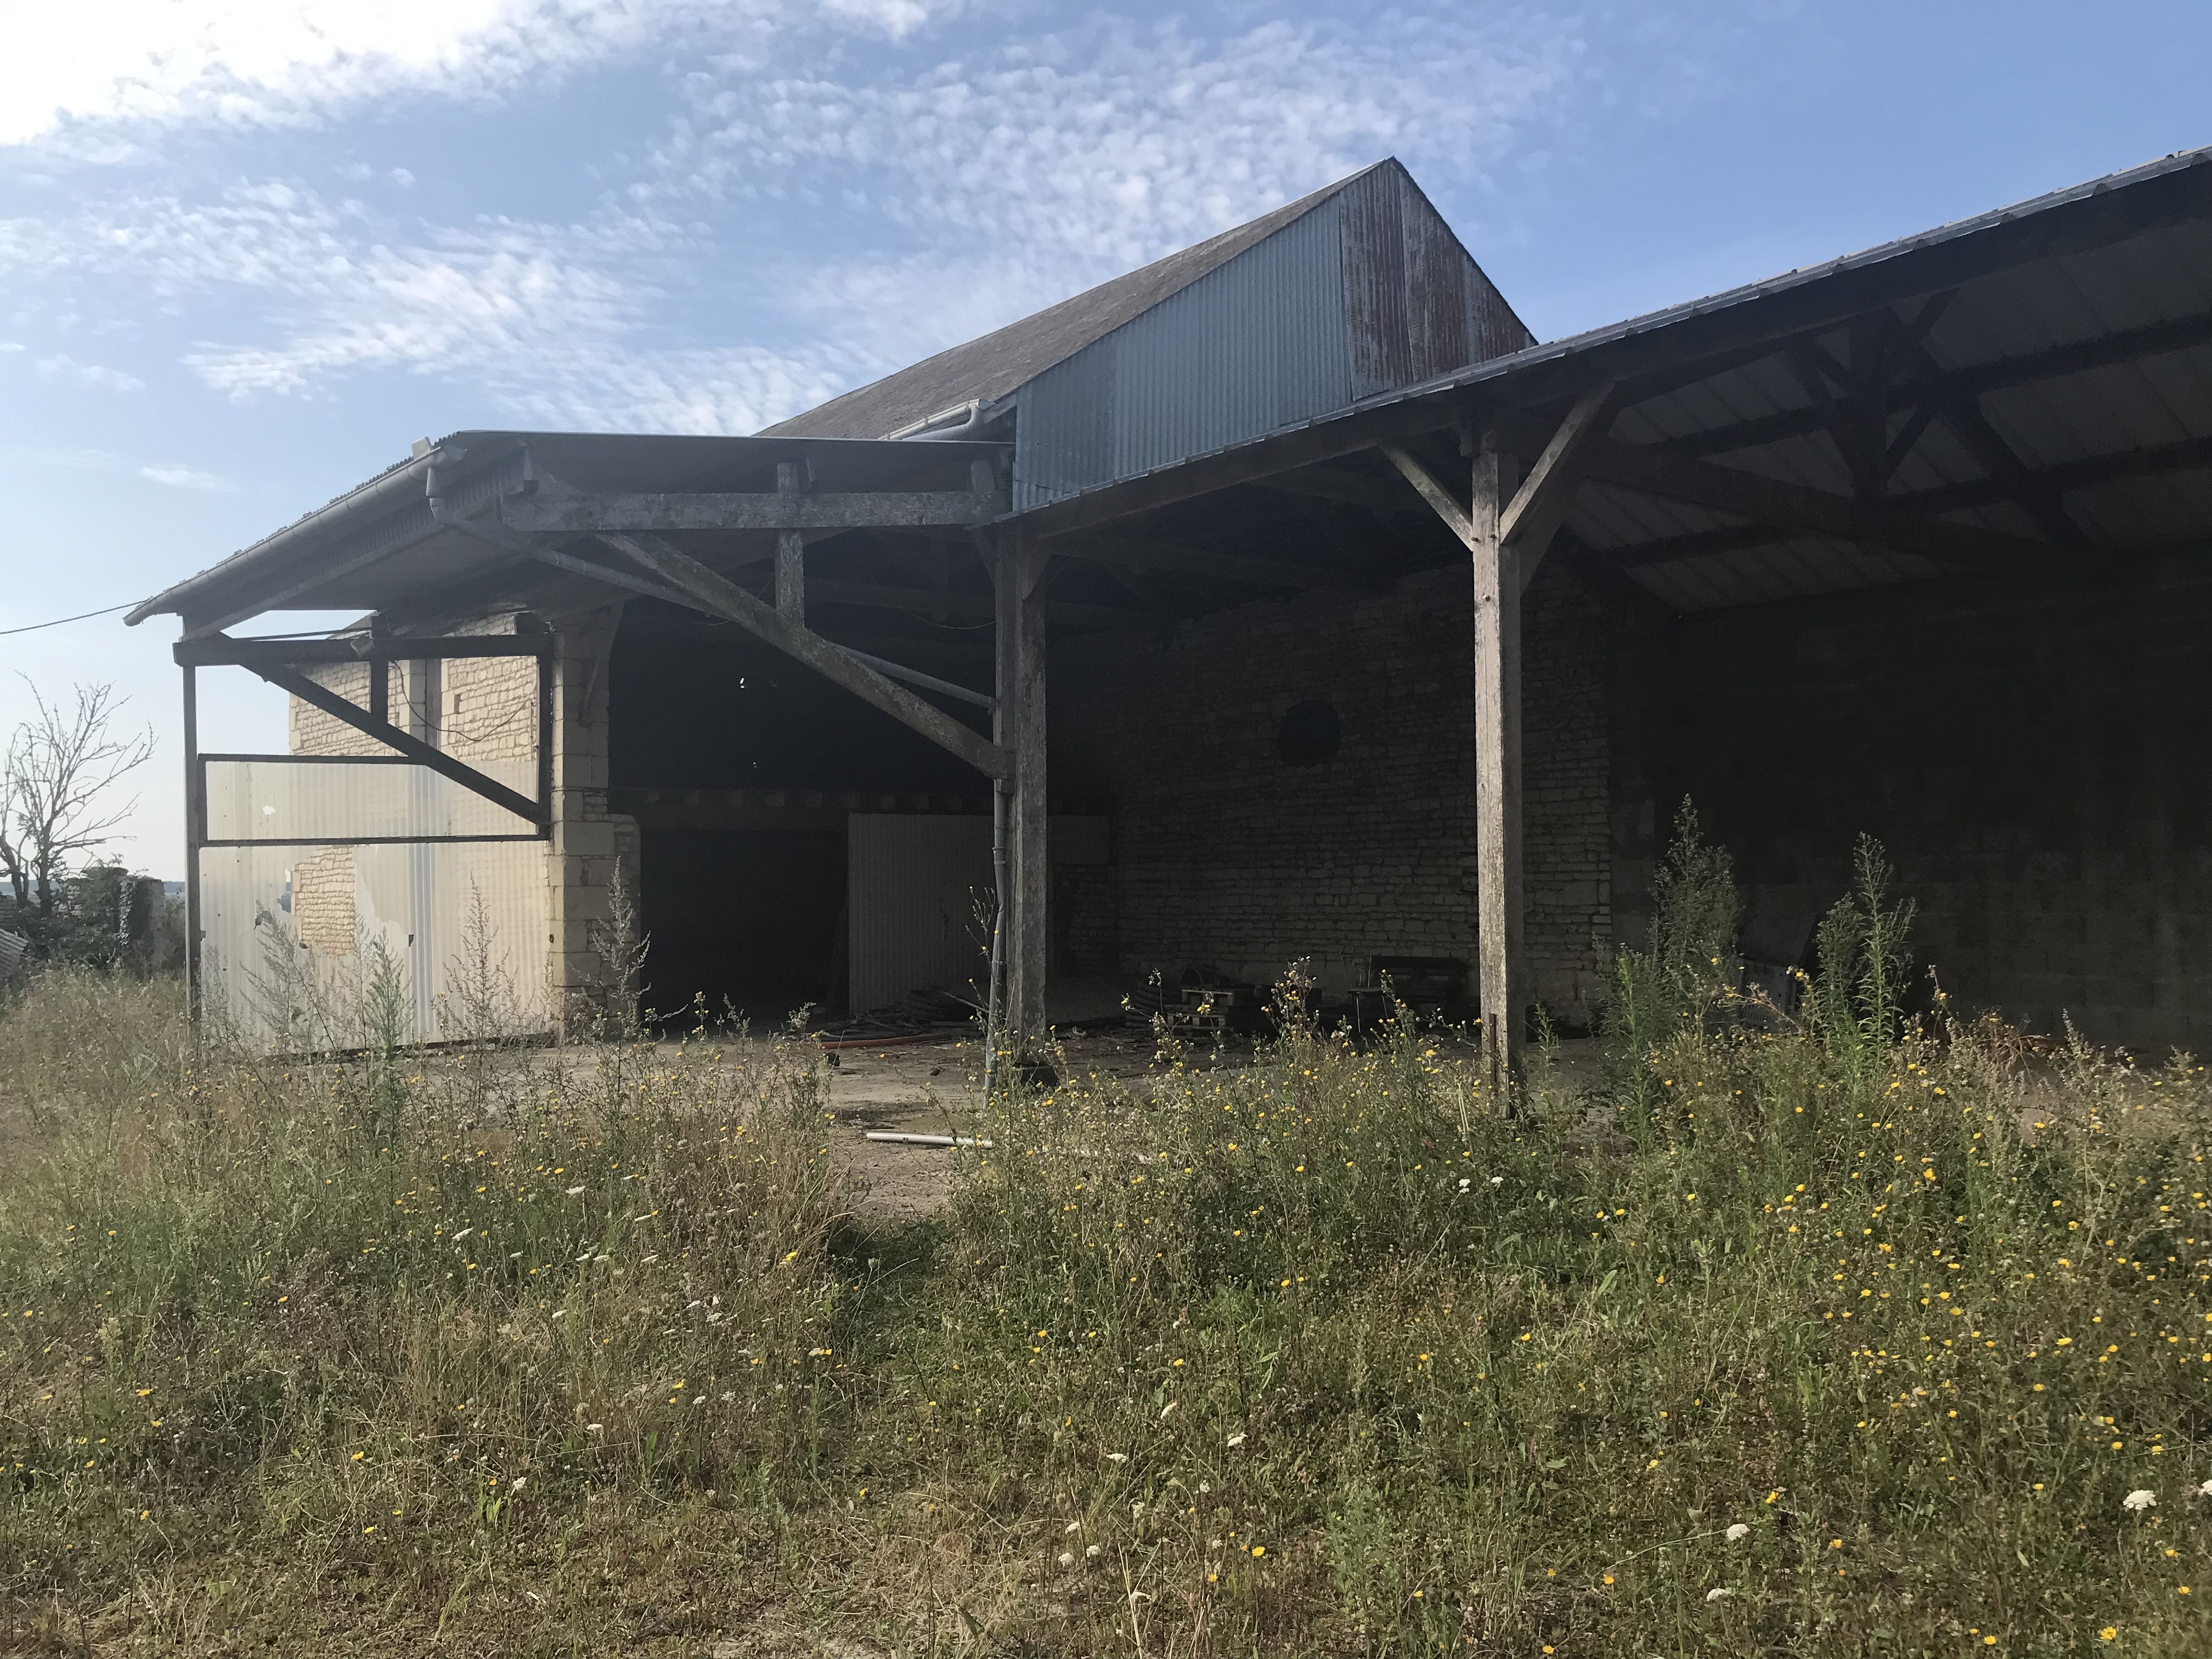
x,y
250,249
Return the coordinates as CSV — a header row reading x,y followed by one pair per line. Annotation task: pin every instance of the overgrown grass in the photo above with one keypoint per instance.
x,y
1324,1355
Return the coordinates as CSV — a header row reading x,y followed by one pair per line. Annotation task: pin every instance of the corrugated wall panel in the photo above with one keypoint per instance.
x,y
1255,344
291,935
913,884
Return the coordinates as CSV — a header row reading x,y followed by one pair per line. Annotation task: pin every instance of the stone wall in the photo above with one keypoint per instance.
x,y
1227,855
2032,762
484,711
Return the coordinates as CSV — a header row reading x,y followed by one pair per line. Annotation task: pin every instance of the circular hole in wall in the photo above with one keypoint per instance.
x,y
1310,734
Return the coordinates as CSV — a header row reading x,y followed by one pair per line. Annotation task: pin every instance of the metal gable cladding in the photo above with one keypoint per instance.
x,y
1366,291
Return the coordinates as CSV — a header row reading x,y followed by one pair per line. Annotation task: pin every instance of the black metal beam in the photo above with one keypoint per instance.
x,y
2187,455
1896,522
2028,368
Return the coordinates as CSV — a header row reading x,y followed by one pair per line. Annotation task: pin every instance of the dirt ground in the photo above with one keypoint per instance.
x,y
935,1088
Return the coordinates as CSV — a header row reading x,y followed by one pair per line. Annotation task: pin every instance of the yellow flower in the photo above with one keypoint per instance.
x,y
2108,1634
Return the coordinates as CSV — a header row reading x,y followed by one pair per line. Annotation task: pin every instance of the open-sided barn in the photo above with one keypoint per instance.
x,y
1285,600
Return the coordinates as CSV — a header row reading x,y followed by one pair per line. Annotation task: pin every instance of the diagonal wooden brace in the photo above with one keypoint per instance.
x,y
709,591
321,696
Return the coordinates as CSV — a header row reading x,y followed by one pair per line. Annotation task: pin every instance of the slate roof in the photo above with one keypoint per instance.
x,y
989,369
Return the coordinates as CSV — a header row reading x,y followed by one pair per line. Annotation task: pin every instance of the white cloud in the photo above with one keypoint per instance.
x,y
239,63
62,367
787,235
1109,145
184,477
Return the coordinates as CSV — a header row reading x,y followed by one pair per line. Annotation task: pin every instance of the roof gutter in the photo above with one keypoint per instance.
x,y
403,482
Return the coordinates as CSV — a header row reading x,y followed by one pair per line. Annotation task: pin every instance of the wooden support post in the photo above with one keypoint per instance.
x,y
1021,723
1501,971
790,549
195,835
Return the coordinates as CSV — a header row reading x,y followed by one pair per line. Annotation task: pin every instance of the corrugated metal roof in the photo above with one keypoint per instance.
x,y
2146,403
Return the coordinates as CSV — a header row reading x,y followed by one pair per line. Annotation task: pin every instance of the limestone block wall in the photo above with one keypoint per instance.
x,y
2032,762
552,920
1227,855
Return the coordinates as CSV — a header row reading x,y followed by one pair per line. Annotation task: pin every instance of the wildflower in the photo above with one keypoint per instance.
x,y
575,1192
595,1428
517,1484
1497,1181
357,1456
1237,1439
461,1235
2205,1491
1719,1594
2140,1499
1091,1552
1068,1558
2108,1634
1117,1457
1074,1526
1738,1531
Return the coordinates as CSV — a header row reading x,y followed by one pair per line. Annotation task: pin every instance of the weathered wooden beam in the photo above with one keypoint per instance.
x,y
1029,824
1530,518
716,594
1440,499
791,548
1500,974
593,514
221,651
1146,553
321,696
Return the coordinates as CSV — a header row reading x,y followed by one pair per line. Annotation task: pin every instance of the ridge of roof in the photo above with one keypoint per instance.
x,y
991,365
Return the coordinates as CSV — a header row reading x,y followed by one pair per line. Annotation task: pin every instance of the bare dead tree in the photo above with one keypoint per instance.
x,y
58,782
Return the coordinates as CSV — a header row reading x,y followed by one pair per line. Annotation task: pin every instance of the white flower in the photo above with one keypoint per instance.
x,y
517,1484
1117,1457
698,1399
1737,1531
1720,1594
2140,1499
1236,1440
1068,1558
1497,1181
461,1235
2205,1491
560,1313
727,1396
595,1428
1466,1181
1075,1525
575,1192
1092,1551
